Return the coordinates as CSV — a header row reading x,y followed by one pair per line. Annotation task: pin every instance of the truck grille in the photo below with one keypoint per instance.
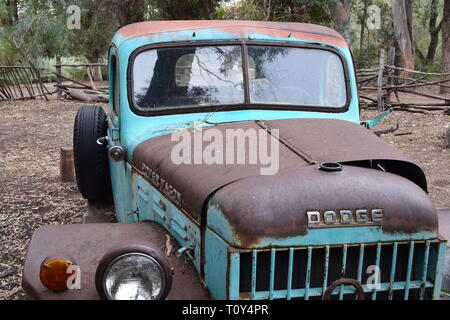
x,y
407,270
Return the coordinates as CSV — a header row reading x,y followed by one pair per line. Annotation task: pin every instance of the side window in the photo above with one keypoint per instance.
x,y
115,83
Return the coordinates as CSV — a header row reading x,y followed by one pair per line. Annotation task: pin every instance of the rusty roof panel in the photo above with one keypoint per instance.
x,y
239,29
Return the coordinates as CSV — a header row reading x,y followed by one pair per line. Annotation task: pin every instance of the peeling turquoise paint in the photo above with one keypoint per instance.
x,y
216,265
151,205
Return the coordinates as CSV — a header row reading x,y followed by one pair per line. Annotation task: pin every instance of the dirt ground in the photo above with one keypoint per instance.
x,y
32,133
421,137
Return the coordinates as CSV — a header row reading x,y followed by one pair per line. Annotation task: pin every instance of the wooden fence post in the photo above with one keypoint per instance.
x,y
391,62
66,165
58,76
380,81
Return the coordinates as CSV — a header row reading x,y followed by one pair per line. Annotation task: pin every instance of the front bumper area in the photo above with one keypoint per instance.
x,y
86,244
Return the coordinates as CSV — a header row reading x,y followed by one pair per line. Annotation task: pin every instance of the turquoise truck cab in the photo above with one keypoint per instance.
x,y
337,214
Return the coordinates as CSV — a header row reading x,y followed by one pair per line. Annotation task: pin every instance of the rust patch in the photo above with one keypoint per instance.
x,y
245,295
262,207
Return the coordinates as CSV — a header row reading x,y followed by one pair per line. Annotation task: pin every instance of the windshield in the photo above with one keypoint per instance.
x,y
214,76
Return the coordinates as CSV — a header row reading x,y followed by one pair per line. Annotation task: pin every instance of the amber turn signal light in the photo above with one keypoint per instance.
x,y
53,273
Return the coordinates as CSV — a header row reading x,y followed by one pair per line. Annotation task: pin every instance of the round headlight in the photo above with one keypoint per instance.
x,y
133,272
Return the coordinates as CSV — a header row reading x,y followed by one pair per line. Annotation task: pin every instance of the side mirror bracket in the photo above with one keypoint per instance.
x,y
370,124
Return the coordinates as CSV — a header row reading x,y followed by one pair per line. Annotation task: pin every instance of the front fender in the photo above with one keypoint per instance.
x,y
86,244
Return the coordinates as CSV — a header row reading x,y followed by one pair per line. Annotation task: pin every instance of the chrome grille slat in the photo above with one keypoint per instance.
x,y
325,269
291,263
254,264
344,265
426,257
308,273
408,271
377,264
272,273
392,275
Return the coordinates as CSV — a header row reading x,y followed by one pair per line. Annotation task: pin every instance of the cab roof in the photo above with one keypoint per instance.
x,y
185,30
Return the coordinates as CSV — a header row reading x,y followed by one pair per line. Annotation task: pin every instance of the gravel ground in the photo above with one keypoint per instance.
x,y
32,132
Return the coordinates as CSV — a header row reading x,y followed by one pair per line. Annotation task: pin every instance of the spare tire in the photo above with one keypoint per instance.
x,y
90,158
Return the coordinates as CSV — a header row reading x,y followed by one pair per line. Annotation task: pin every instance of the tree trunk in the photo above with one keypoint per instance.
x,y
340,10
434,32
186,10
363,27
402,21
97,73
446,43
96,70
16,10
205,9
13,13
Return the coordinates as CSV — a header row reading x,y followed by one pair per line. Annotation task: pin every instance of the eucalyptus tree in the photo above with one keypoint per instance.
x,y
434,27
404,42
37,32
308,11
186,10
446,44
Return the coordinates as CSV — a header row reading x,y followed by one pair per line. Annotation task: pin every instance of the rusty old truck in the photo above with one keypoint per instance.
x,y
239,168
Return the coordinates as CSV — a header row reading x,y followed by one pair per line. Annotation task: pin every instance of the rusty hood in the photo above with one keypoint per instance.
x,y
374,175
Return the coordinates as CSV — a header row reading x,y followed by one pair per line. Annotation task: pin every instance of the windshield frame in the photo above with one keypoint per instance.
x,y
247,104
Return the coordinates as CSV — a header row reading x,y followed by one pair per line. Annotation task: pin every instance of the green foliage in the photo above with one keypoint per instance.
x,y
425,67
8,53
422,14
3,14
368,55
186,10
40,33
308,11
316,11
98,25
246,10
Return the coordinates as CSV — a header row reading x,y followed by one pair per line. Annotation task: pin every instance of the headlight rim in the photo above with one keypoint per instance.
x,y
129,254
140,247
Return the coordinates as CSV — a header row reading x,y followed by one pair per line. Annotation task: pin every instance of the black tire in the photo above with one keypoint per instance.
x,y
90,159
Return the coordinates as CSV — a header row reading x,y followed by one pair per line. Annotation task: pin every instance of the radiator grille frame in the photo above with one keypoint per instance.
x,y
415,270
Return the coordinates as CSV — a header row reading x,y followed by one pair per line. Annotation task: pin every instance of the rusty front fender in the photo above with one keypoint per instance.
x,y
87,243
